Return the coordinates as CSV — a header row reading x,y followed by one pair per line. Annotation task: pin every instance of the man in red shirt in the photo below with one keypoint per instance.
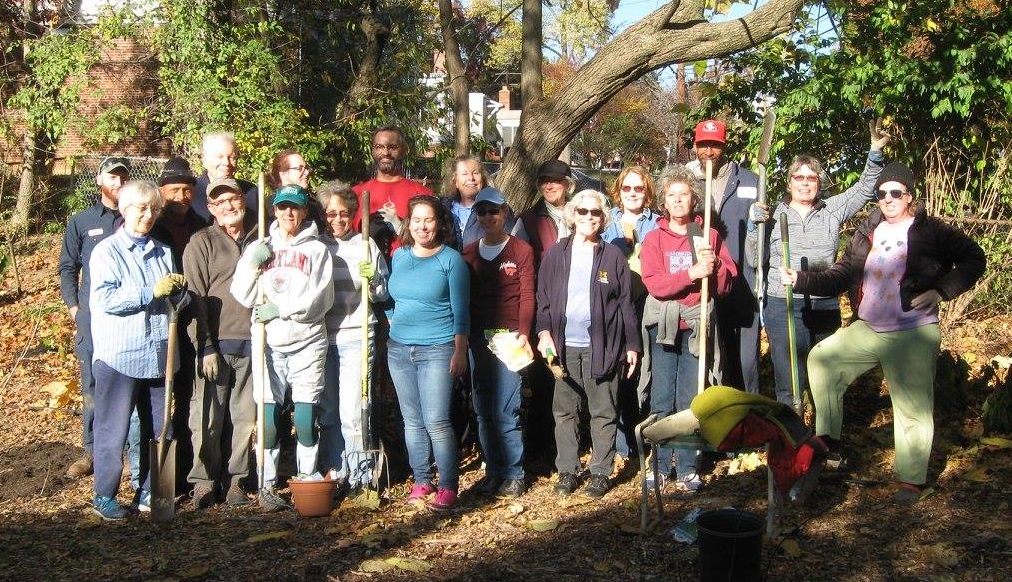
x,y
389,190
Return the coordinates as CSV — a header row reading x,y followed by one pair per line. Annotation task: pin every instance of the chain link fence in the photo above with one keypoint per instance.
x,y
84,192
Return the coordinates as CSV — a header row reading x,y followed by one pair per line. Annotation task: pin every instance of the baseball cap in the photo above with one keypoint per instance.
x,y
711,130
292,194
176,171
223,183
491,195
113,163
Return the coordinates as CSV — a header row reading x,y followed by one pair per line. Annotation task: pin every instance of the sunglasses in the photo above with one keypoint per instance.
x,y
896,194
636,189
595,212
335,214
493,210
803,178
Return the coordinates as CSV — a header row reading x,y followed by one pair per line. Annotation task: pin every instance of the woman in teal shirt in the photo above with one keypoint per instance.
x,y
429,325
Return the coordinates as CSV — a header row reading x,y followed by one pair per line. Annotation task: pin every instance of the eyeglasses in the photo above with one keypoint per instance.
x,y
231,201
896,194
300,169
595,212
810,178
342,213
493,210
146,209
636,189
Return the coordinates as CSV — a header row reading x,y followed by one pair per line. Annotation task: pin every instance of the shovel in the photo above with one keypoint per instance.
x,y
163,450
376,458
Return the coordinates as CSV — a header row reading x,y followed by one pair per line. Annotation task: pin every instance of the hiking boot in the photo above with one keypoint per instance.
x,y
420,492
566,484
597,487
108,508
488,485
511,489
81,467
443,501
270,501
236,497
142,501
202,497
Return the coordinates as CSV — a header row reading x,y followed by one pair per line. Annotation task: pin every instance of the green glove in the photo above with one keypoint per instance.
x,y
366,270
260,254
168,285
266,312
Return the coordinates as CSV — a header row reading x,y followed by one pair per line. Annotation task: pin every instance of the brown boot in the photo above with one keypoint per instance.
x,y
80,468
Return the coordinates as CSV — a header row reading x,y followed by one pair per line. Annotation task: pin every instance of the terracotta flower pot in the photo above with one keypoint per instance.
x,y
312,498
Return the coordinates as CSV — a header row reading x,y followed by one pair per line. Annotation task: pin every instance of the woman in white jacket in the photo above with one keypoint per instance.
x,y
296,272
341,430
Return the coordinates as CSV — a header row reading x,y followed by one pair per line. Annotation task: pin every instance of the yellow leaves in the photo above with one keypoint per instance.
x,y
940,554
274,535
791,548
997,442
978,475
543,525
745,463
61,394
389,564
367,499
930,25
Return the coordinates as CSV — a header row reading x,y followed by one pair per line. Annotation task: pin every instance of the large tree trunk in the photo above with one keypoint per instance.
x,y
459,86
671,34
367,76
23,207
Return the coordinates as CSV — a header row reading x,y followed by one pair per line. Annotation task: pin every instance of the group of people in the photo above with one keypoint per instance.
x,y
600,297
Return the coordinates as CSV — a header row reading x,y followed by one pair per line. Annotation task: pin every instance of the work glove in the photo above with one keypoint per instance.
x,y
926,300
266,312
168,285
366,270
759,212
260,254
879,137
389,214
209,367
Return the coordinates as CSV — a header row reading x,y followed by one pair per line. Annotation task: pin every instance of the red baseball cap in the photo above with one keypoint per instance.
x,y
711,130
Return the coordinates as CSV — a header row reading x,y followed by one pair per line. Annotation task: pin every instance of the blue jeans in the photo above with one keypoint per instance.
x,y
675,384
341,407
811,325
115,397
496,399
424,386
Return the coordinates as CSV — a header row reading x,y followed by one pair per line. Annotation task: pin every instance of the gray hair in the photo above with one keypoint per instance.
x,y
813,164
339,189
569,212
225,136
679,174
140,192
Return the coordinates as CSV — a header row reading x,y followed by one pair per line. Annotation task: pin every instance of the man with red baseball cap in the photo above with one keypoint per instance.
x,y
735,190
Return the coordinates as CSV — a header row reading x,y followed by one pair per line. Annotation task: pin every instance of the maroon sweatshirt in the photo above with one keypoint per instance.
x,y
502,290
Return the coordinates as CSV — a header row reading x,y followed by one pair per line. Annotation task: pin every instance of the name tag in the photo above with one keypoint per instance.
x,y
95,232
749,192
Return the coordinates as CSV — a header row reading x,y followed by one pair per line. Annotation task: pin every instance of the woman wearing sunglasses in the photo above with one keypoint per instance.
x,y
632,218
813,224
586,321
899,265
502,302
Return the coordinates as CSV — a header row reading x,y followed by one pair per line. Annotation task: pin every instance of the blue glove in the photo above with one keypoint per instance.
x,y
266,312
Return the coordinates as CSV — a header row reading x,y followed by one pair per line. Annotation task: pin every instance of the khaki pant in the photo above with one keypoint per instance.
x,y
908,361
222,418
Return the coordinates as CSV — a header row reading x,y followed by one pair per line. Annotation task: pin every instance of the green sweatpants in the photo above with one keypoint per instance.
x,y
908,360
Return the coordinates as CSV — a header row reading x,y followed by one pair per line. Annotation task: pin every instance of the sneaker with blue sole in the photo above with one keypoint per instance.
x,y
142,501
108,508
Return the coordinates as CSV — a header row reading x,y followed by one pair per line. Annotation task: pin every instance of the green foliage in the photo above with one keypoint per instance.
x,y
997,408
48,97
936,69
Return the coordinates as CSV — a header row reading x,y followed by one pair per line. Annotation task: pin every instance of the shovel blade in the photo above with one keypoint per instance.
x,y
163,480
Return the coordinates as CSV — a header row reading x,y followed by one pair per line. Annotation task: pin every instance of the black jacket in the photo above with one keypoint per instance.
x,y
940,257
613,326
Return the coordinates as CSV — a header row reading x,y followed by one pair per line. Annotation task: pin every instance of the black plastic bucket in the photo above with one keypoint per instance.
x,y
730,546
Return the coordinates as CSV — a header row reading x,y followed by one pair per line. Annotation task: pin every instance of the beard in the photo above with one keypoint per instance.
x,y
389,165
231,220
